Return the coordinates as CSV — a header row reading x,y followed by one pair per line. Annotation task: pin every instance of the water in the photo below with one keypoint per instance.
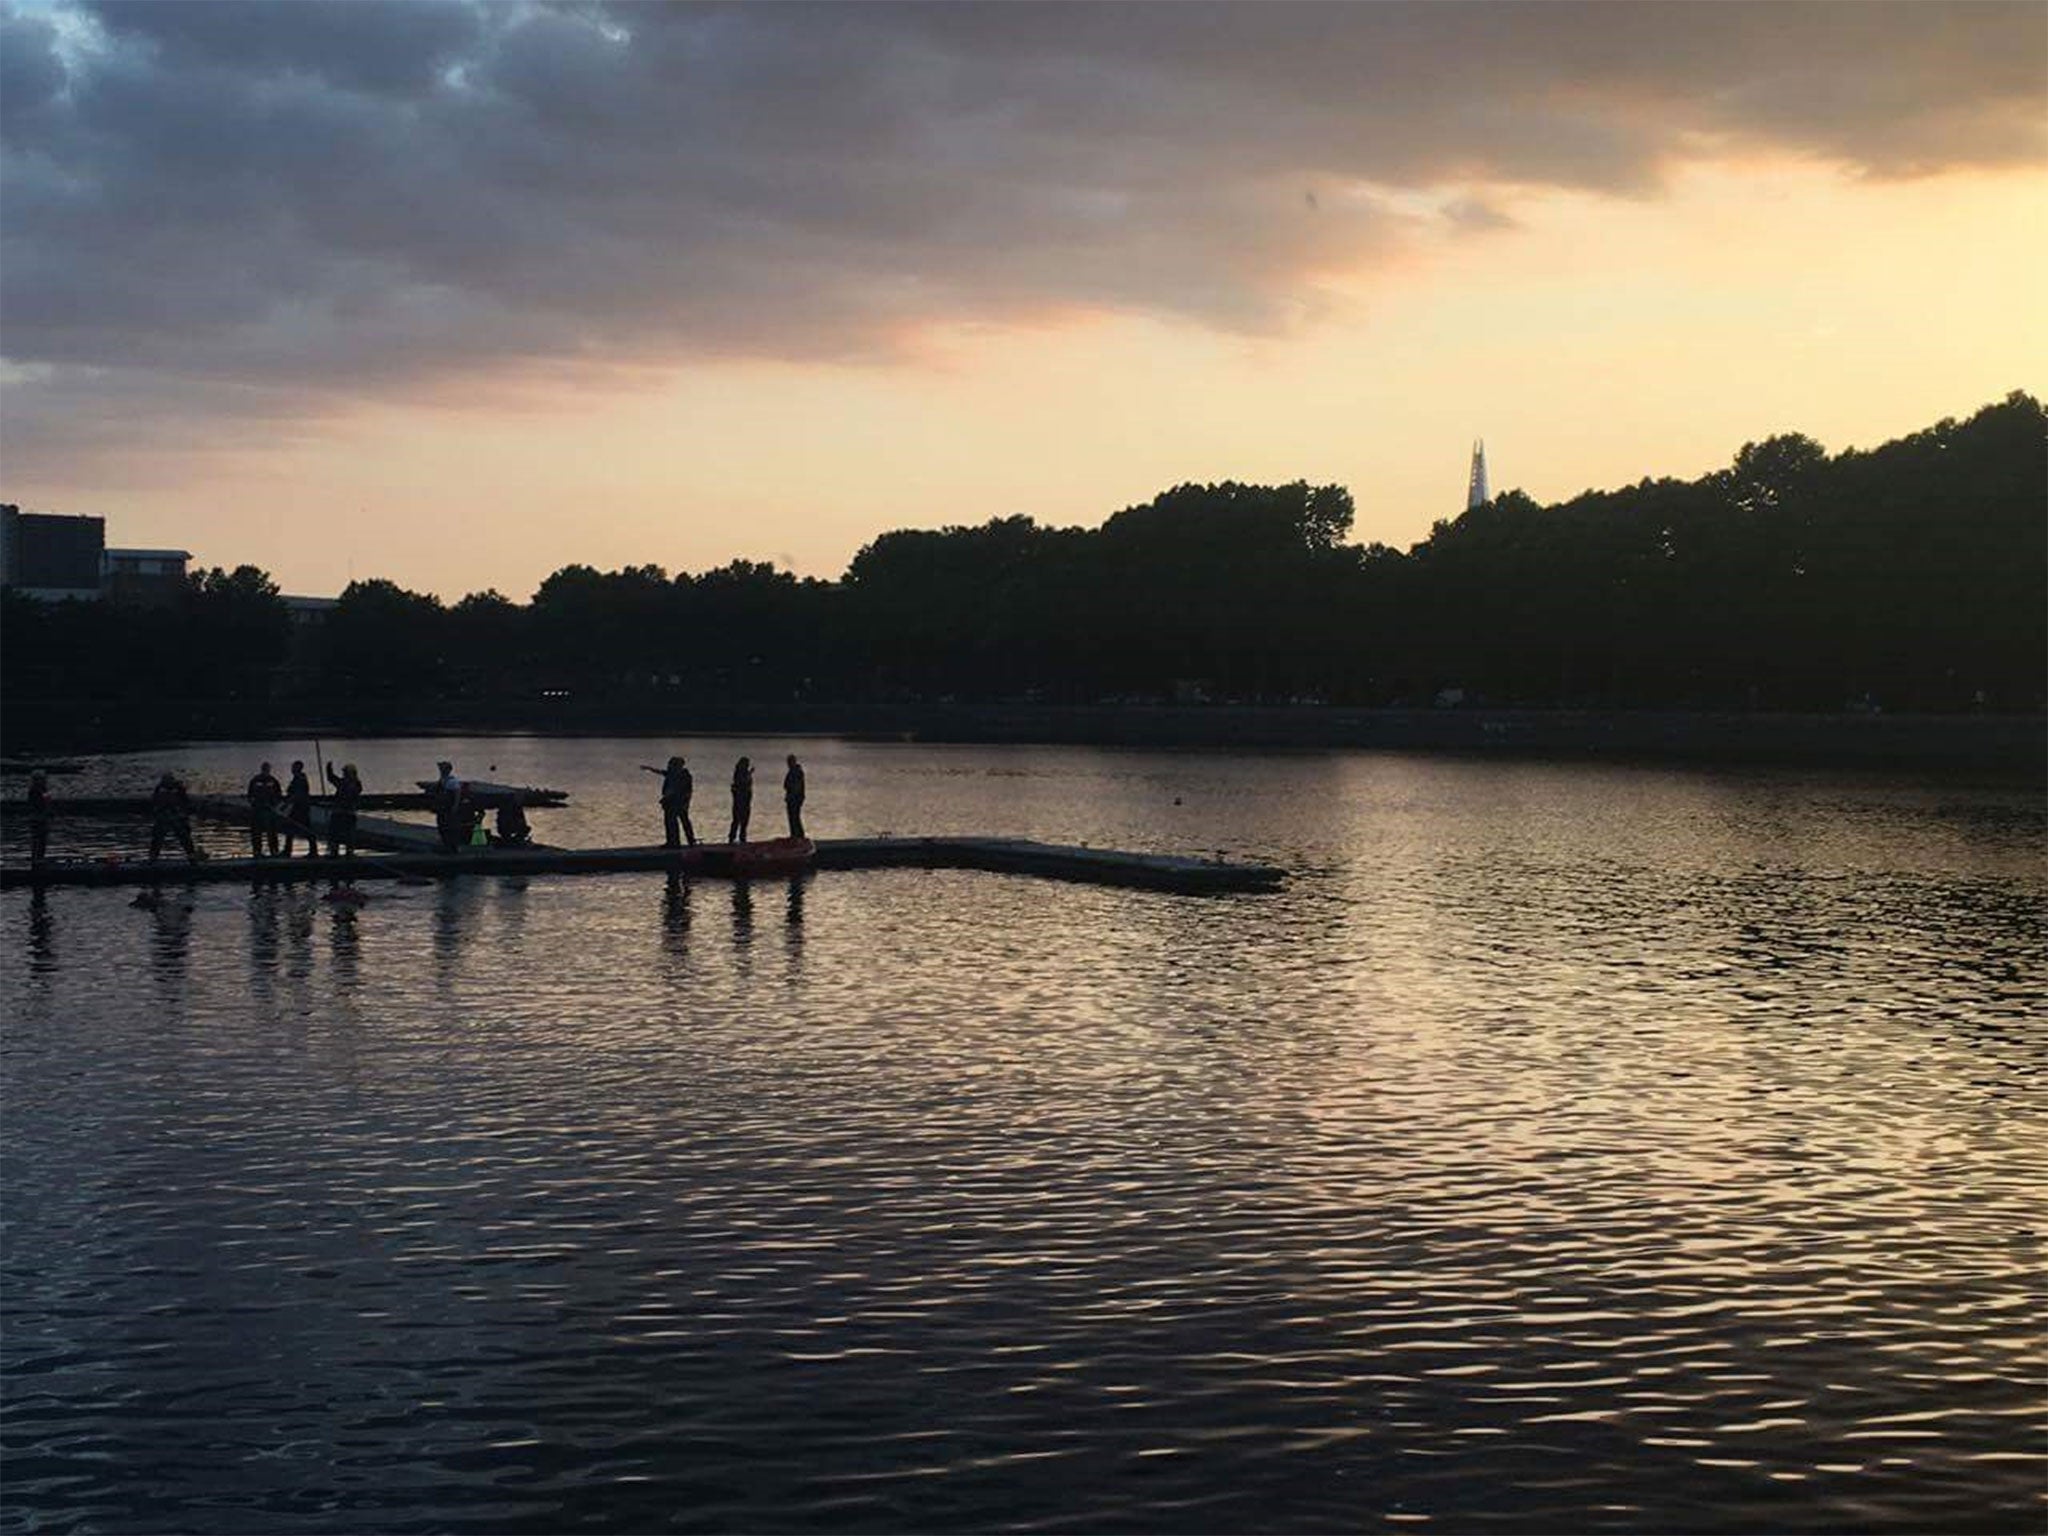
x,y
1566,1148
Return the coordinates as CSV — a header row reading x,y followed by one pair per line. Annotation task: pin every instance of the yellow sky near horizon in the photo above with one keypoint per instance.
x,y
1597,341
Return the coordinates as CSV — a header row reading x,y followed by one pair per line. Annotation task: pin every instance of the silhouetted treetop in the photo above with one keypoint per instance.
x,y
1912,575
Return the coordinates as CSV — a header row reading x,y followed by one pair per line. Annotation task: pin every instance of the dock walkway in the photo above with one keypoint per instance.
x,y
1003,855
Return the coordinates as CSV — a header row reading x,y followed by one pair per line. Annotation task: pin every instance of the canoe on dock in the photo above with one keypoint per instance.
x,y
779,858
482,792
408,800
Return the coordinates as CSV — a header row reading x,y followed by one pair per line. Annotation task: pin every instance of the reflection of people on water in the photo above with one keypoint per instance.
x,y
742,800
38,816
265,917
346,945
42,934
171,940
675,917
793,929
793,796
170,816
742,913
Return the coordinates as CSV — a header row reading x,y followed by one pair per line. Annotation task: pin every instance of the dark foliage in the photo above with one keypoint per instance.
x,y
225,635
1912,576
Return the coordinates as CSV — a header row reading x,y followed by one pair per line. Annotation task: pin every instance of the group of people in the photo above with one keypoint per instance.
x,y
170,818
677,785
280,814
459,815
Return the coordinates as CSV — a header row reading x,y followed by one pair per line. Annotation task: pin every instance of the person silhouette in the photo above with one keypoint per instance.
x,y
742,800
676,788
793,796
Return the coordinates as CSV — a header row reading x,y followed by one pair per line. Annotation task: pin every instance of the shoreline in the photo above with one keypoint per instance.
x,y
2002,744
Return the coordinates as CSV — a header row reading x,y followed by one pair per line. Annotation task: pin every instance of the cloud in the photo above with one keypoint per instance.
x,y
246,210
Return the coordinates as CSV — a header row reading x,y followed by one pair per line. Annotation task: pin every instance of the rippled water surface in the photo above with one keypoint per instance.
x,y
1565,1148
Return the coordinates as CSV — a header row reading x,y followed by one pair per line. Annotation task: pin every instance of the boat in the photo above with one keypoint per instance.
x,y
745,861
488,795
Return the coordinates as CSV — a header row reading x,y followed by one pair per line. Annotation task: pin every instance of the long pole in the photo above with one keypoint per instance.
x,y
319,765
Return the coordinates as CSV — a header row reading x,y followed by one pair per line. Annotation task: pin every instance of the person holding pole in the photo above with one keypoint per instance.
x,y
341,821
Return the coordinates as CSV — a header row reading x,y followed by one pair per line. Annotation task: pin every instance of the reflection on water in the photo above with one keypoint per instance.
x,y
793,924
1563,1150
742,918
675,922
344,942
42,934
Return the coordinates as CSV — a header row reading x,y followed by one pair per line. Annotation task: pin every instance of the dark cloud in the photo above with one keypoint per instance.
x,y
342,197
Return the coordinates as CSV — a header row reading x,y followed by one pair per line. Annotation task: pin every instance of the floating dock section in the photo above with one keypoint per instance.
x,y
1053,861
1096,866
378,832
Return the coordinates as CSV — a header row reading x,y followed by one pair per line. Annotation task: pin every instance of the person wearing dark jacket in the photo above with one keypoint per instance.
x,y
341,820
793,796
264,794
170,815
676,788
38,817
742,800
298,812
450,818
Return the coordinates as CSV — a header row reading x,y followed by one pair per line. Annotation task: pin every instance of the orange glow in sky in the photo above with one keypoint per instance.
x,y
1592,334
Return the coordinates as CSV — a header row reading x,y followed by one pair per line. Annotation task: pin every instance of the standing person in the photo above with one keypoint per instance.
x,y
38,817
264,793
742,800
170,815
793,796
341,821
298,811
448,818
677,786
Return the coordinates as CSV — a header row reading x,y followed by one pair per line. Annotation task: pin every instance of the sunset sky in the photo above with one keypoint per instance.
x,y
457,294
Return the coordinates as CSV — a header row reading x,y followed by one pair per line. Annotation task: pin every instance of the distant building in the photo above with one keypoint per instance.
x,y
55,558
50,557
1476,492
309,610
144,575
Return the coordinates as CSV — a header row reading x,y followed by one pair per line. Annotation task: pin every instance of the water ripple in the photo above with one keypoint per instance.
x,y
1565,1149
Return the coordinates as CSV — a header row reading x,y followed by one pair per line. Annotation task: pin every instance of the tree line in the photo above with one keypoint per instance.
x,y
1912,576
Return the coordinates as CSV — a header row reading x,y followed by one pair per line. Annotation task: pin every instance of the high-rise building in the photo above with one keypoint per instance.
x,y
1476,492
51,557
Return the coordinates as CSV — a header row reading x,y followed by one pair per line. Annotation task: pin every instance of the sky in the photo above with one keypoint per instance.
x,y
457,294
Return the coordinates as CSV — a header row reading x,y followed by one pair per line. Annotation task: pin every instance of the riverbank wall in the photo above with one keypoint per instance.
x,y
1994,743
